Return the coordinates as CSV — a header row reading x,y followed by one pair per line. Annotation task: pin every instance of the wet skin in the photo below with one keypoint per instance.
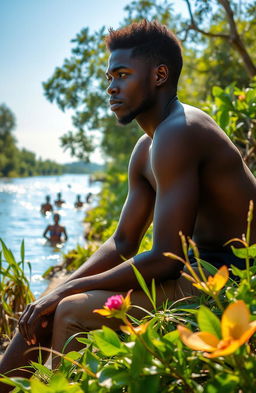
x,y
184,175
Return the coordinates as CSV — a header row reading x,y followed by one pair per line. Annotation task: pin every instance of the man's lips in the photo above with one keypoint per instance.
x,y
115,104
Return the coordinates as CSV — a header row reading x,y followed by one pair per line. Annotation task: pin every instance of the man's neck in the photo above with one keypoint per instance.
x,y
150,119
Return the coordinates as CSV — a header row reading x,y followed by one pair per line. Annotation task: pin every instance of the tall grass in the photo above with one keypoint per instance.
x,y
15,291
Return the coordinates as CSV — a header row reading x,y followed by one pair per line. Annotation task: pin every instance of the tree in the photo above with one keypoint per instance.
x,y
15,162
8,149
7,120
231,33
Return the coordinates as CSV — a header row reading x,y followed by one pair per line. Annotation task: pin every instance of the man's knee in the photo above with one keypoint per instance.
x,y
69,309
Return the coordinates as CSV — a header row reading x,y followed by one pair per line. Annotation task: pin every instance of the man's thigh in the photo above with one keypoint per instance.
x,y
80,307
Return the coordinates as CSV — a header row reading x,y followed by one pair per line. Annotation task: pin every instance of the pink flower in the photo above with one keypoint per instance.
x,y
114,302
116,306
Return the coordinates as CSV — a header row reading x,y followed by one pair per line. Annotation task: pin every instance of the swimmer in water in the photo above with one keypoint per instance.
x,y
59,202
78,203
55,231
47,206
89,197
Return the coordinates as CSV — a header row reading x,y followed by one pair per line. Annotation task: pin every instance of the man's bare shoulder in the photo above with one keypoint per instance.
x,y
140,153
189,128
185,118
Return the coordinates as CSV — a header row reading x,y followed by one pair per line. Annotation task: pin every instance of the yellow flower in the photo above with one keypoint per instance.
x,y
236,329
116,306
138,330
214,284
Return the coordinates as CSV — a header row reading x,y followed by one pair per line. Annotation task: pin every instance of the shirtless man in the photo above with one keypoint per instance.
x,y
184,174
59,202
55,231
78,203
47,206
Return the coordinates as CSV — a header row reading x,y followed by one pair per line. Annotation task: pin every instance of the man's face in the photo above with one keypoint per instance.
x,y
130,85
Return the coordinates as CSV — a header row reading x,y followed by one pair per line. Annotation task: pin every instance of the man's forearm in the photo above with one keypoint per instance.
x,y
105,258
122,277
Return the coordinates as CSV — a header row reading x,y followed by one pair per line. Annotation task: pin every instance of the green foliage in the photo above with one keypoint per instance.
x,y
15,162
153,357
234,110
15,293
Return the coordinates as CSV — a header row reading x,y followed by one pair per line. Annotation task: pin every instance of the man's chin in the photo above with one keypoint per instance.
x,y
124,120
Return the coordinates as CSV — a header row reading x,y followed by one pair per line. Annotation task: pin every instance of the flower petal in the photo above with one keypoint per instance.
x,y
127,301
248,333
201,341
219,279
103,312
235,320
141,329
232,347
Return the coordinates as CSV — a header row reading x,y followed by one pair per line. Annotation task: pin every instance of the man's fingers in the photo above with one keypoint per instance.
x,y
31,325
22,323
26,325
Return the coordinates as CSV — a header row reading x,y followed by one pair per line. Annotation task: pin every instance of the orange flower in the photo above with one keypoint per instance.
x,y
236,329
214,284
116,306
138,330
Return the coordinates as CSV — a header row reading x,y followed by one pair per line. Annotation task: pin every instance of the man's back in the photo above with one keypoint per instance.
x,y
220,180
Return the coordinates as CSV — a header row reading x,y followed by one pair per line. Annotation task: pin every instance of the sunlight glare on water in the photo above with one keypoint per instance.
x,y
20,218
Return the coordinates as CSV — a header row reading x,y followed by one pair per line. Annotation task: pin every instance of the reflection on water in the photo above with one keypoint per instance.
x,y
20,218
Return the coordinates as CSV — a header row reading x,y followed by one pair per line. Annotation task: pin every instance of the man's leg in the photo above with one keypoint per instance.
x,y
16,355
75,313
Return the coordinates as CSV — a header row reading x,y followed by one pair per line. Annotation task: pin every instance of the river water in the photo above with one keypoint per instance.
x,y
20,218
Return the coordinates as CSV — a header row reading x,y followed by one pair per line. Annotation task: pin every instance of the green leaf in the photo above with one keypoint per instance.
x,y
238,272
21,383
108,342
153,292
43,370
91,360
8,254
208,322
140,358
244,252
208,267
216,91
222,383
172,336
143,284
22,251
223,118
110,376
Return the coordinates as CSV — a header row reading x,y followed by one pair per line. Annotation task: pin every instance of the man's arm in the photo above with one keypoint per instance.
x,y
135,218
175,163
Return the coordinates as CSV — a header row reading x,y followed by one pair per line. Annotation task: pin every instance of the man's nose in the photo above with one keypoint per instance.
x,y
112,88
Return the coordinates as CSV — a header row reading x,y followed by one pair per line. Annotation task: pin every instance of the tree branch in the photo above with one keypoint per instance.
x,y
193,26
233,37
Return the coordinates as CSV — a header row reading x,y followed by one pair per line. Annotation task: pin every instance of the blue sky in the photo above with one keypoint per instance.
x,y
35,38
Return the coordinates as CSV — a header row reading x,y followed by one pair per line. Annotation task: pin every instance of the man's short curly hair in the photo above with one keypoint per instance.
x,y
150,40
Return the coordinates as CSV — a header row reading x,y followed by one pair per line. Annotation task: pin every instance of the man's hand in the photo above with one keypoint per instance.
x,y
35,316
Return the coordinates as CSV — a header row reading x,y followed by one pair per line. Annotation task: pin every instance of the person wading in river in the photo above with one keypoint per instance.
x,y
184,175
54,233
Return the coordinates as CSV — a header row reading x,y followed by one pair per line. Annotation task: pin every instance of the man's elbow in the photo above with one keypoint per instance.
x,y
127,249
168,268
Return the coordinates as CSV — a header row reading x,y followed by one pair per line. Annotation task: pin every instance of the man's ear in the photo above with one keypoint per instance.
x,y
161,74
